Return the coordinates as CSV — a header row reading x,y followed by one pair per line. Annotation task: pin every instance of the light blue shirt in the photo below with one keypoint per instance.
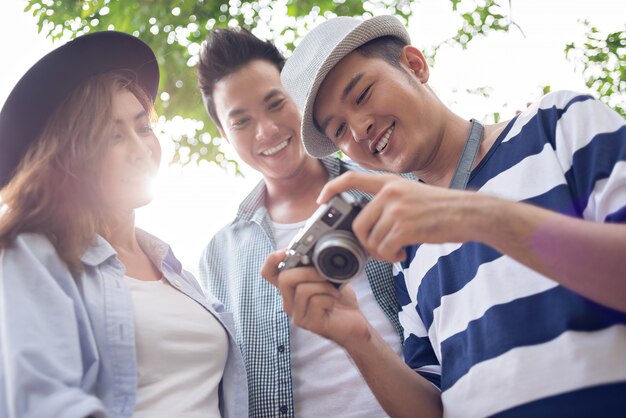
x,y
67,342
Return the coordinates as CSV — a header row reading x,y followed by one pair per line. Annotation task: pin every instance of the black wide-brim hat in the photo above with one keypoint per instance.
x,y
54,77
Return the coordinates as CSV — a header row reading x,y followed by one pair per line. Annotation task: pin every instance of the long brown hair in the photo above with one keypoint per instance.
x,y
55,190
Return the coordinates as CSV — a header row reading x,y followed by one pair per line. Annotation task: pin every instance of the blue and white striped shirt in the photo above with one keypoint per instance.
x,y
497,337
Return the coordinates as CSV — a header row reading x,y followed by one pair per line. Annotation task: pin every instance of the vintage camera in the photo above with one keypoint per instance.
x,y
326,241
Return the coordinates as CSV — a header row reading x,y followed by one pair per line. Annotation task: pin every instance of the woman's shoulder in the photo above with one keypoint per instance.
x,y
35,253
36,244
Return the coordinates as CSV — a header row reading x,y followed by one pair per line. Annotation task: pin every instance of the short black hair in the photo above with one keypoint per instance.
x,y
225,52
387,48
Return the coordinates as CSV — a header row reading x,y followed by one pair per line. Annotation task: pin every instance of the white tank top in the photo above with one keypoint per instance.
x,y
181,353
325,381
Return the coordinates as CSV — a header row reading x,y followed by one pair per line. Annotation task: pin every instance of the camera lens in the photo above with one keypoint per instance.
x,y
338,256
338,263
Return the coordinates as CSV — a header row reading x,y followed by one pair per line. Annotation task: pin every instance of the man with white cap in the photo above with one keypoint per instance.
x,y
513,294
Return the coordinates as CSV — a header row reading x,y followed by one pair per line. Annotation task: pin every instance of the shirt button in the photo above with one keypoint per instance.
x,y
177,283
281,348
283,409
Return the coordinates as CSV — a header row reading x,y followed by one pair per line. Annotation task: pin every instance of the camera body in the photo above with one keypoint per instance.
x,y
327,242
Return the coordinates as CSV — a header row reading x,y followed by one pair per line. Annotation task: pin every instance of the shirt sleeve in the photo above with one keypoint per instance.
x,y
418,350
42,361
204,267
590,142
213,268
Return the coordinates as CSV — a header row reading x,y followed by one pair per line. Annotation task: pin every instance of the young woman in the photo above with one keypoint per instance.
x,y
97,318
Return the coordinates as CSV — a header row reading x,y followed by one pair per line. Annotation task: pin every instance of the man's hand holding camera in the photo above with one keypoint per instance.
x,y
315,304
402,212
313,274
405,212
327,242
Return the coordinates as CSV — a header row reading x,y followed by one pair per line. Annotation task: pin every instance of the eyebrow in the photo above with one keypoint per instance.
x,y
269,96
353,82
239,111
235,112
351,85
139,115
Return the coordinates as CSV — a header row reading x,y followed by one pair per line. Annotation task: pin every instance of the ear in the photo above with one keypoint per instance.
x,y
413,59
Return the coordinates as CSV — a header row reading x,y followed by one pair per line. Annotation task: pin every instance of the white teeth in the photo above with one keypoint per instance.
x,y
275,149
385,139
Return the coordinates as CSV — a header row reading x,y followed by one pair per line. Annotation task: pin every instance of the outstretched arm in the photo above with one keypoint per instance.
x,y
317,306
568,250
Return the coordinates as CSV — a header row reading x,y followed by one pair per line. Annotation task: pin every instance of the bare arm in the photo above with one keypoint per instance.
x,y
401,391
317,306
586,257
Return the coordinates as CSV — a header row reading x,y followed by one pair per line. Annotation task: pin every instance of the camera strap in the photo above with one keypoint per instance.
x,y
464,167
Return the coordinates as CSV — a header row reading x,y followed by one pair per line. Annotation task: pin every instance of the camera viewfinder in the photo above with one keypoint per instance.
x,y
331,217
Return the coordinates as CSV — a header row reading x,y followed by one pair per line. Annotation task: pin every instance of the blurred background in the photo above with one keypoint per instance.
x,y
488,58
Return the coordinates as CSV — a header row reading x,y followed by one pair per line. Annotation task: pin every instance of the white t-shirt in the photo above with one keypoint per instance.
x,y
181,353
325,381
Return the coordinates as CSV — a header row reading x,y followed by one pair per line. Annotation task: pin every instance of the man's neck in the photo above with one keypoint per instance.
x,y
441,169
293,199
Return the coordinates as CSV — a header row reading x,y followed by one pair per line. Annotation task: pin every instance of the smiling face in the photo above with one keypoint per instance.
x,y
260,120
381,116
132,159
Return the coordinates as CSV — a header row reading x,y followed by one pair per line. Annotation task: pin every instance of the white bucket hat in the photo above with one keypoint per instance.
x,y
318,52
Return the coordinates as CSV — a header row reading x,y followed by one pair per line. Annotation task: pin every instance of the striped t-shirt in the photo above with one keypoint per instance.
x,y
497,337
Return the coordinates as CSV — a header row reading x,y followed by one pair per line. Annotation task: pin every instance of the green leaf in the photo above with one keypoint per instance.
x,y
155,21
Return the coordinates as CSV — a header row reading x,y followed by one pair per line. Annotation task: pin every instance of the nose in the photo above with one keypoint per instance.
x,y
139,148
361,128
266,129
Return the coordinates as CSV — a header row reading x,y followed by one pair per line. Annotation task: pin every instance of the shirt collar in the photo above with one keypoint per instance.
x,y
255,200
98,252
158,251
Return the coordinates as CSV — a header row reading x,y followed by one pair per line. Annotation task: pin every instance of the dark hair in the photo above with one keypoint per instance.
x,y
387,48
225,52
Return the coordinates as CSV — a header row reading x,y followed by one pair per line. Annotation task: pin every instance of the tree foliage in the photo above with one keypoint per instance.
x,y
175,30
603,61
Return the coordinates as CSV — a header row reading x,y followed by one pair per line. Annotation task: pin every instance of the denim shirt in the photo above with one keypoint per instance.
x,y
67,341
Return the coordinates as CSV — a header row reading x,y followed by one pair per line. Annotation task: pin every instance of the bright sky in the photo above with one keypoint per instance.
x,y
192,203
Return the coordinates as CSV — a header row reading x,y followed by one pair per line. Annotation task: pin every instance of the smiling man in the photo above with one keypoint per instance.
x,y
513,294
291,371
